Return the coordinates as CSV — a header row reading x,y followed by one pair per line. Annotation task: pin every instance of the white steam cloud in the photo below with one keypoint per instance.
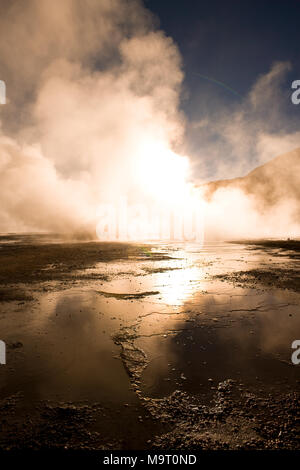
x,y
91,86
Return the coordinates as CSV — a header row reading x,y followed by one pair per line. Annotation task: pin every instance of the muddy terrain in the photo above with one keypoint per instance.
x,y
149,346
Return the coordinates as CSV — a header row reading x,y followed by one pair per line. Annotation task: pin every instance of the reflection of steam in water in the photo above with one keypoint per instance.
x,y
245,335
224,332
70,353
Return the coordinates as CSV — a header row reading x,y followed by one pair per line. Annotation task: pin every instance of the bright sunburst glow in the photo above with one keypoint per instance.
x,y
164,205
163,174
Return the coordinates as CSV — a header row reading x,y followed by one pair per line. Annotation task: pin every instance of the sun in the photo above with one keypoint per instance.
x,y
163,174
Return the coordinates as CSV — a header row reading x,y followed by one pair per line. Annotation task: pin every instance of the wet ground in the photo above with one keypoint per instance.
x,y
118,346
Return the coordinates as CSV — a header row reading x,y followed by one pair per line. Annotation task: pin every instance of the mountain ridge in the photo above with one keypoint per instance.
x,y
269,183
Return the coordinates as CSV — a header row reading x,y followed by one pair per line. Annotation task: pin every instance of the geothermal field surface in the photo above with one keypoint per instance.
x,y
148,346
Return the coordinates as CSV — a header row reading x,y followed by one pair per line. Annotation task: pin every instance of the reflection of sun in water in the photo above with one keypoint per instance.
x,y
179,285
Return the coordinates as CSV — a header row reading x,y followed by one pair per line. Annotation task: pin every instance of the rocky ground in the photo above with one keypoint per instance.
x,y
271,275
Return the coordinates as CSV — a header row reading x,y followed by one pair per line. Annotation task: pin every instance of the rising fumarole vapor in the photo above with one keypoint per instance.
x,y
92,115
93,87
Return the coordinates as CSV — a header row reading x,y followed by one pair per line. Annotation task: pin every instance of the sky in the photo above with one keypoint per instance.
x,y
129,98
231,42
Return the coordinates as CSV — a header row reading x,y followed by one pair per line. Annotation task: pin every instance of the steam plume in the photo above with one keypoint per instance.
x,y
90,84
